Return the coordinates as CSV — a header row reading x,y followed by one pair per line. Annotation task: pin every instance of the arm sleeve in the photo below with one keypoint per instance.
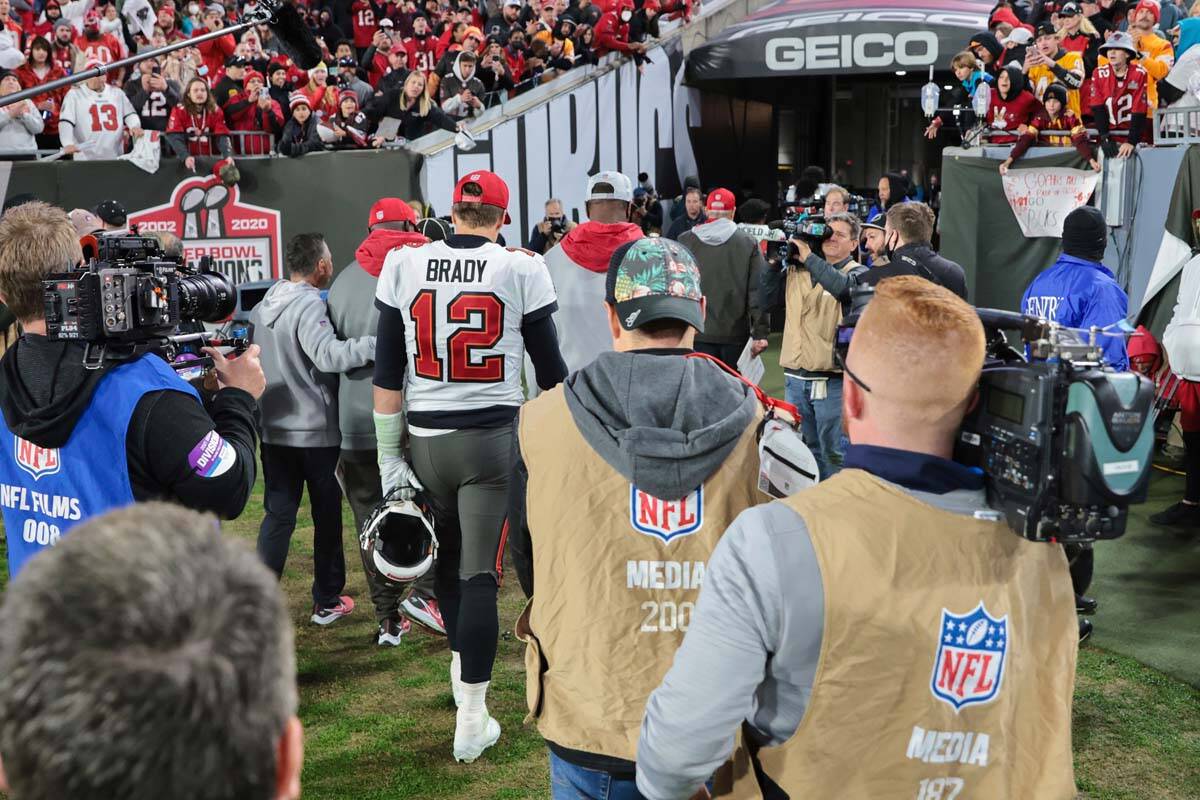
x,y
178,144
831,279
203,460
1100,118
321,344
541,343
519,541
128,113
760,317
391,353
1025,141
33,122
440,120
66,120
690,720
1105,309
1071,78
1137,124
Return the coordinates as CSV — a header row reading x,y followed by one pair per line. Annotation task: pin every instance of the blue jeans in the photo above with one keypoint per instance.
x,y
822,424
571,782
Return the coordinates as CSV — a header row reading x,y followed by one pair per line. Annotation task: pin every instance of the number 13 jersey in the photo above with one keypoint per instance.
x,y
463,309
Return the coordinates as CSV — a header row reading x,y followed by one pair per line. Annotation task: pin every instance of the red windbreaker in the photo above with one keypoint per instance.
x,y
30,79
611,33
244,115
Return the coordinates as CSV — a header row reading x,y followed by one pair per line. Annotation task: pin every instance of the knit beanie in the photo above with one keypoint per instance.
x,y
1085,234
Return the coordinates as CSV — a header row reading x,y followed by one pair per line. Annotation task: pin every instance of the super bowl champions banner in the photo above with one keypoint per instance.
x,y
627,120
243,228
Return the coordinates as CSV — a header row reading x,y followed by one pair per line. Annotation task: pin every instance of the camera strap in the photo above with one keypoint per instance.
x,y
771,405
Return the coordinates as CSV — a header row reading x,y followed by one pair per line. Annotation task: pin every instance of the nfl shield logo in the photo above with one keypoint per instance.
x,y
969,667
37,461
666,519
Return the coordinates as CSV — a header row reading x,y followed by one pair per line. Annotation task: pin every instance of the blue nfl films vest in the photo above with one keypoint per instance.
x,y
45,492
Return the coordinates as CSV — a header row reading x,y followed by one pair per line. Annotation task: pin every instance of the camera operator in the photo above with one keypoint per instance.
x,y
553,227
137,418
812,314
907,233
885,600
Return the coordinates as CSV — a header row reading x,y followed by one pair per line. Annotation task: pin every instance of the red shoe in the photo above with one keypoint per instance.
x,y
324,616
425,612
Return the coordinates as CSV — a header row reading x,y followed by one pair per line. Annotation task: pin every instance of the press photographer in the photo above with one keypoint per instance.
x,y
813,311
864,576
78,440
553,227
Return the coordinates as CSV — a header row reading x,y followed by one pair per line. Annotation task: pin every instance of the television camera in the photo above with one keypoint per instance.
x,y
1065,443
129,299
805,220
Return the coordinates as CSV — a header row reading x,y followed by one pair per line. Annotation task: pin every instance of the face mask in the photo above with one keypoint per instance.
x,y
626,16
193,9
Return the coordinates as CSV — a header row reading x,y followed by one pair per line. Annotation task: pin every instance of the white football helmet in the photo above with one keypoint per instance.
x,y
398,540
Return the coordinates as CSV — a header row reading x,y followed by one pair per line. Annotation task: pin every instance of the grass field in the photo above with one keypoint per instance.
x,y
380,722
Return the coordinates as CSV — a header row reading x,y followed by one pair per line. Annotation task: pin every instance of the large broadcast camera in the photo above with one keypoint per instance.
x,y
805,220
1065,443
129,299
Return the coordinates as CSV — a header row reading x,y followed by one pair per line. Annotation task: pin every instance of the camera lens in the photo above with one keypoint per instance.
x,y
206,298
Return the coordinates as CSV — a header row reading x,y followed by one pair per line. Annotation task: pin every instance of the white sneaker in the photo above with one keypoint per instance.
x,y
473,736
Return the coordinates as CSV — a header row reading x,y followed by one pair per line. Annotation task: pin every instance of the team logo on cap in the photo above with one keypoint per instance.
x,y
36,460
475,177
969,667
666,519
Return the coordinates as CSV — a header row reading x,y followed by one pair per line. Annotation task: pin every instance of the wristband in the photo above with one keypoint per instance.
x,y
389,429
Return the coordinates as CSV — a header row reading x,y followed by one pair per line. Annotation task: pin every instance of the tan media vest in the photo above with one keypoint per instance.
x,y
617,574
893,568
813,315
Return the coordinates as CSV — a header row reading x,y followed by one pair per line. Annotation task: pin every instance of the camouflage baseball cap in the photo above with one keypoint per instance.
x,y
654,278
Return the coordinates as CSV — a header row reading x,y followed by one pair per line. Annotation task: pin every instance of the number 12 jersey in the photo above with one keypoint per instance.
x,y
463,309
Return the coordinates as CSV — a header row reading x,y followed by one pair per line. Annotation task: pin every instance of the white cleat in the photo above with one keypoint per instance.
x,y
456,690
472,737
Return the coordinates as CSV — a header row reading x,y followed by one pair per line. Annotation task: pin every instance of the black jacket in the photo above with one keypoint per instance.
x,y
44,390
297,139
412,124
921,259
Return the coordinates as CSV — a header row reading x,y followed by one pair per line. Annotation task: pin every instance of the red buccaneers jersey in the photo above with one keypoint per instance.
x,y
362,17
422,53
1123,97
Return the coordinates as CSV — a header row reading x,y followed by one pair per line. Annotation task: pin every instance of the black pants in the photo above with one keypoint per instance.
x,y
726,352
359,473
286,471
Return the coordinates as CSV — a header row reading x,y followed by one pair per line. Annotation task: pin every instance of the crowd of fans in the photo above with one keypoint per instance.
x,y
1056,68
425,65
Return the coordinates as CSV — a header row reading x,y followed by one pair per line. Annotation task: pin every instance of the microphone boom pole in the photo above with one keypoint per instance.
x,y
260,17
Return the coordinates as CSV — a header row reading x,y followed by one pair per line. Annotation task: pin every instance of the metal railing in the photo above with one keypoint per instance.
x,y
1177,125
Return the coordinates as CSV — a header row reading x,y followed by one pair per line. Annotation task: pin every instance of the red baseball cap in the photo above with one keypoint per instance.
x,y
391,209
721,200
495,190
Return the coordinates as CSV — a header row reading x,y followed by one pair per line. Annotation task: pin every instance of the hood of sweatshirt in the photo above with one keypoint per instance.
x,y
664,421
374,249
44,389
457,68
592,244
715,231
279,297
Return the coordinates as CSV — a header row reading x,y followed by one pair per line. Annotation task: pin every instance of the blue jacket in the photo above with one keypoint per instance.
x,y
1079,293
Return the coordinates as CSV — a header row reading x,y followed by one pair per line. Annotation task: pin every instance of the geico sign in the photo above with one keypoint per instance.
x,y
844,51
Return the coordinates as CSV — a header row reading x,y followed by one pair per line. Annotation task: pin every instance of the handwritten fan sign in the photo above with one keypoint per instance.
x,y
1040,199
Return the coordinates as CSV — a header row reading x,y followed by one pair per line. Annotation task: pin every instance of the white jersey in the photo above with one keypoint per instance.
x,y
463,311
95,122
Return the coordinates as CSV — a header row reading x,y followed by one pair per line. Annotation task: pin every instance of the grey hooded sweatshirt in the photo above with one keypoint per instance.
x,y
302,357
663,421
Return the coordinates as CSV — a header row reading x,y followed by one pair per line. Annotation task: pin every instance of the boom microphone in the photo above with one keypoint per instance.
x,y
295,36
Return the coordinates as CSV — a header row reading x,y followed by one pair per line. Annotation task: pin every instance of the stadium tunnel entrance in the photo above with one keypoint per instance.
x,y
814,82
